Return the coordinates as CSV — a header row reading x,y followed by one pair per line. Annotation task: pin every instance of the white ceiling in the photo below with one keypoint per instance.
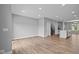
x,y
53,11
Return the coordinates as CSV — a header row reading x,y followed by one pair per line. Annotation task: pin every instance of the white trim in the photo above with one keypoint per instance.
x,y
9,52
25,37
3,52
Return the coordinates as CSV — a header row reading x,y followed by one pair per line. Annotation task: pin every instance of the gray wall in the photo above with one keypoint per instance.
x,y
5,28
24,26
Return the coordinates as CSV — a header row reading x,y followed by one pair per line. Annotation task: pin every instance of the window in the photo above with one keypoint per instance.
x,y
75,27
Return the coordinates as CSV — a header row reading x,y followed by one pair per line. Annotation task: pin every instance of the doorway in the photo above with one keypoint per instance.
x,y
52,29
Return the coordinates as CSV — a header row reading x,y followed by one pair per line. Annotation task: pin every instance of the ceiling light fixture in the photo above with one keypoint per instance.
x,y
56,16
63,4
75,15
23,11
39,15
40,8
73,12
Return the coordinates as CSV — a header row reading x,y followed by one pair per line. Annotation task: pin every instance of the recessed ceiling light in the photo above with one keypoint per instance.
x,y
75,15
40,8
23,11
63,4
73,12
39,15
56,16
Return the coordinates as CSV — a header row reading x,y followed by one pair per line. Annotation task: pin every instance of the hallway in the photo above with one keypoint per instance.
x,y
49,45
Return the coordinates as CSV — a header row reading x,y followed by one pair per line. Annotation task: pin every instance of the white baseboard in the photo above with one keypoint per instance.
x,y
9,52
3,52
30,37
25,37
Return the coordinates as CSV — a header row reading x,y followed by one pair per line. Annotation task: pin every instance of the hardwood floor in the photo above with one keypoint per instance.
x,y
49,45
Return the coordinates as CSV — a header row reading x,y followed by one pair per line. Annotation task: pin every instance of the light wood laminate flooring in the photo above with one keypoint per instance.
x,y
48,45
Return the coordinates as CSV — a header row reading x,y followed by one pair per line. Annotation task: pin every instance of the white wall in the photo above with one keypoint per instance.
x,y
56,27
25,27
44,27
28,27
5,28
47,27
41,27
